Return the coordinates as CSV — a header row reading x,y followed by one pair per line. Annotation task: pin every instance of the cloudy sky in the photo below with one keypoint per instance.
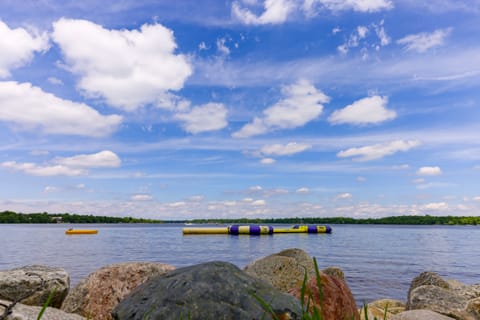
x,y
245,108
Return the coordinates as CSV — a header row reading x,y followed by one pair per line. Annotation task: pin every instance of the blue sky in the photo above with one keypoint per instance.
x,y
248,108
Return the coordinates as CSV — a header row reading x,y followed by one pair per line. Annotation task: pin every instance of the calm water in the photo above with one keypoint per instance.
x,y
378,261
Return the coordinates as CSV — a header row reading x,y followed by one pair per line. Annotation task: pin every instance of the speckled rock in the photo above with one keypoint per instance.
x,y
24,312
450,298
31,285
213,290
337,301
420,315
96,295
284,270
377,309
334,271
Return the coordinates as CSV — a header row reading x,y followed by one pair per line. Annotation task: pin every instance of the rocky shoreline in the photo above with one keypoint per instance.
x,y
219,290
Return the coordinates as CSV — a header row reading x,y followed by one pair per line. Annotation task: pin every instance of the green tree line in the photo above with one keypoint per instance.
x,y
44,217
398,220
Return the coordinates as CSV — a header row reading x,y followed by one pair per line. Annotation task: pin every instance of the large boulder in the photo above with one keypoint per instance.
x,y
212,290
450,298
23,312
284,270
31,285
380,309
96,295
420,315
334,300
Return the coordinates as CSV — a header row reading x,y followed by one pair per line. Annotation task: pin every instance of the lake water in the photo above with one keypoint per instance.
x,y
378,261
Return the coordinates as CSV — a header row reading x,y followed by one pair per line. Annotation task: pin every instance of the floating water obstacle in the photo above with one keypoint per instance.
x,y
258,230
81,231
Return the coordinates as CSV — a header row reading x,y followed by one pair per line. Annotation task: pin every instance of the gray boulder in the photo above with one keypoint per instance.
x,y
213,290
96,295
450,298
31,285
24,312
284,270
420,315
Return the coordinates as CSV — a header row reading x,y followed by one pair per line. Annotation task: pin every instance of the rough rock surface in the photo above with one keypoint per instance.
x,y
284,270
377,309
420,315
24,312
451,298
96,295
31,285
336,301
213,290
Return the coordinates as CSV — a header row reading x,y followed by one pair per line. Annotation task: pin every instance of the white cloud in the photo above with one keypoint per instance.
x,y
275,12
421,42
302,104
255,188
357,5
429,171
401,167
258,203
72,166
33,109
476,198
50,189
370,110
285,150
419,181
141,197
55,81
128,68
221,47
361,179
302,190
43,171
207,117
382,34
343,196
435,206
18,46
267,161
102,159
378,151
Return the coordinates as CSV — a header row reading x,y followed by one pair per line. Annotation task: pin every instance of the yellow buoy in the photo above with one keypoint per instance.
x,y
81,231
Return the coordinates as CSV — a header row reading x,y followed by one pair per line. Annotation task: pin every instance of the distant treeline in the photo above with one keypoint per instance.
x,y
13,217
406,220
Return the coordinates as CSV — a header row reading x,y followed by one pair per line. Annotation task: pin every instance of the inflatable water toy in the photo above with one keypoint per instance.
x,y
81,231
258,230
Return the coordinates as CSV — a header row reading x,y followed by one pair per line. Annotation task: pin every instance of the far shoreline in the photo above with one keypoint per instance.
x,y
10,217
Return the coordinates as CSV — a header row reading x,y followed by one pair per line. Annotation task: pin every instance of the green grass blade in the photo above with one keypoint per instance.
x,y
47,303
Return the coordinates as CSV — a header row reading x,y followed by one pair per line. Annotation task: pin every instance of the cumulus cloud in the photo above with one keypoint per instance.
x,y
31,108
43,171
69,166
18,47
207,117
278,11
370,110
284,150
302,104
378,151
275,12
429,171
435,206
302,190
267,161
102,159
423,41
343,196
141,197
127,68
